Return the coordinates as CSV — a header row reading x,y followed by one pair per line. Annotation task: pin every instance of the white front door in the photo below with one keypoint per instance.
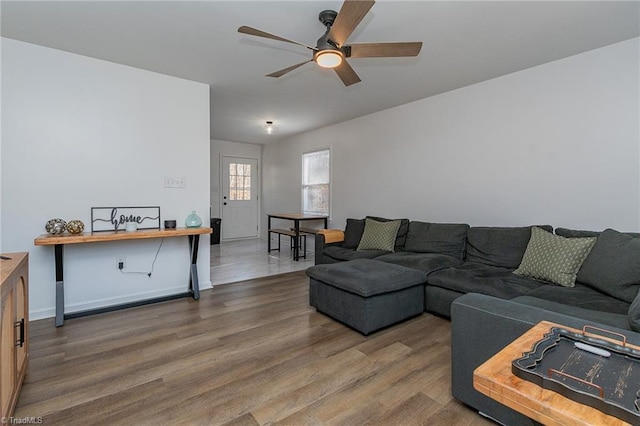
x,y
239,198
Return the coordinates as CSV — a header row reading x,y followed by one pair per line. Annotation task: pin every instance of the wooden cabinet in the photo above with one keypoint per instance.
x,y
14,328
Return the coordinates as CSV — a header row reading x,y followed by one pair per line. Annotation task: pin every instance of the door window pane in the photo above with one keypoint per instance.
x,y
239,182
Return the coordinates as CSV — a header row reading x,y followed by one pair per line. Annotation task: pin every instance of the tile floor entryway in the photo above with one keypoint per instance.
x,y
240,260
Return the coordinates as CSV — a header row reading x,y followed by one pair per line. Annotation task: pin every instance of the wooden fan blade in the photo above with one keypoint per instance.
x,y
259,33
347,74
350,15
384,50
286,70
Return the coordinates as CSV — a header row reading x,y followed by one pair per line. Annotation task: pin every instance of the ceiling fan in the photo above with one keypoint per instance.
x,y
331,50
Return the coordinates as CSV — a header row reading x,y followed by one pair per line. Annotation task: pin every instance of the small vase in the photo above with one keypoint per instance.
x,y
193,220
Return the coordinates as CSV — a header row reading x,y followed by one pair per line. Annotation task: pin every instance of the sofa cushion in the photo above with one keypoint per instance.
x,y
613,265
554,258
501,247
402,231
443,238
379,235
366,277
634,314
425,262
353,233
341,253
580,296
472,277
590,315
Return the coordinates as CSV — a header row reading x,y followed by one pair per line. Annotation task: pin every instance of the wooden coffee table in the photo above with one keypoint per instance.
x,y
495,380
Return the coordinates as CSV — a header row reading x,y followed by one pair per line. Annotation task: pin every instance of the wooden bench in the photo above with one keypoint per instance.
x,y
310,231
292,234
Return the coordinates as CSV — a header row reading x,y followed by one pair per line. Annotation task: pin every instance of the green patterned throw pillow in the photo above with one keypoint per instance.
x,y
553,258
379,235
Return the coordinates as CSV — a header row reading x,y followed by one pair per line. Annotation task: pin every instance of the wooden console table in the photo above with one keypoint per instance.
x,y
495,380
296,218
59,241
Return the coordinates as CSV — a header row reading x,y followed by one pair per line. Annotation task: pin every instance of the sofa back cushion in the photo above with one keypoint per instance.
x,y
577,233
402,231
353,233
442,238
499,246
613,266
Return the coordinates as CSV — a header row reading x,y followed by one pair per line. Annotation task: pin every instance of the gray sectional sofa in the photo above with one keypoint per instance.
x,y
471,280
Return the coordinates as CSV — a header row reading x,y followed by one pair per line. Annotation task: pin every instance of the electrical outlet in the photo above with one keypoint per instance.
x,y
121,262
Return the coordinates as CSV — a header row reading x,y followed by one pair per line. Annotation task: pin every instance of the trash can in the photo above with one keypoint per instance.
x,y
215,224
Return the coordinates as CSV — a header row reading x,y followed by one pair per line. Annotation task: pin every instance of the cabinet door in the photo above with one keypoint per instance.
x,y
22,309
7,351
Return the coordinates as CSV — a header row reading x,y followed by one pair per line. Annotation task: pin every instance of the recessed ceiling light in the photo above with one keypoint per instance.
x,y
269,127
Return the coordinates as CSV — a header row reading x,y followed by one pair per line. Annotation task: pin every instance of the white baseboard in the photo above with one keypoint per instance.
x,y
102,303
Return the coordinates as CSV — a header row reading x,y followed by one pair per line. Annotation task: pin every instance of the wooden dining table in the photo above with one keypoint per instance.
x,y
296,218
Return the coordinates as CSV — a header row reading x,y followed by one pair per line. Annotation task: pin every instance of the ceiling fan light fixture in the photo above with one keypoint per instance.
x,y
331,50
329,58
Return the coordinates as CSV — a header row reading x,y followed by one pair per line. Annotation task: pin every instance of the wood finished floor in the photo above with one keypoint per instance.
x,y
247,353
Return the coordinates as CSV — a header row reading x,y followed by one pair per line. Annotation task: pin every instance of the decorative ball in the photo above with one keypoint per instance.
x,y
75,226
55,226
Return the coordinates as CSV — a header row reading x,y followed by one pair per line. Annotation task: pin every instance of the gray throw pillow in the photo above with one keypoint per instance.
x,y
352,233
613,266
634,314
553,258
379,235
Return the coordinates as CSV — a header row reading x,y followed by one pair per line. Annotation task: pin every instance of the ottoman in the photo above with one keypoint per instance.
x,y
366,294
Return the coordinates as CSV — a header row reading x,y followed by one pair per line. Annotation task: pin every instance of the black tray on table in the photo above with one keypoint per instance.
x,y
609,384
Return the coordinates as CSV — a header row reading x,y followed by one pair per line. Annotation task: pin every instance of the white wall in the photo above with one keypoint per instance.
x,y
233,149
79,133
556,144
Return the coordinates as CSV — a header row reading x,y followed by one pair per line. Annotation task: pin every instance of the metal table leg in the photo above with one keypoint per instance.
x,y
296,242
194,286
59,255
269,236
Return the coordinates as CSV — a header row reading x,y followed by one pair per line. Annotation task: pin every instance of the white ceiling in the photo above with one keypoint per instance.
x,y
464,43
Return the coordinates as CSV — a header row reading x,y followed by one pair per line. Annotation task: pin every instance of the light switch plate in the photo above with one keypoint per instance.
x,y
175,181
